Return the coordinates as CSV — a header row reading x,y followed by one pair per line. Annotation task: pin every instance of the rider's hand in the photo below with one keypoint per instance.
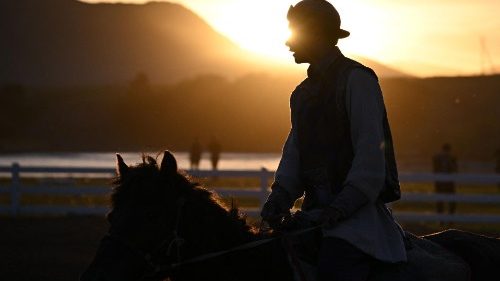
x,y
289,223
273,218
330,216
277,206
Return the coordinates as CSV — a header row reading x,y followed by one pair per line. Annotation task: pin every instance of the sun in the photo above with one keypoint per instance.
x,y
261,38
255,28
262,27
368,26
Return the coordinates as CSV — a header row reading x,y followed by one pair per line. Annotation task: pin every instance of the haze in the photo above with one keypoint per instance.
x,y
424,38
85,77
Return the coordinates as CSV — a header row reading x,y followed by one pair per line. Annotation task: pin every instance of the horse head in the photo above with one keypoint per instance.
x,y
146,203
159,217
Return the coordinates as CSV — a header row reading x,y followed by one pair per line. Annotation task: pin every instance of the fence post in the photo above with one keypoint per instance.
x,y
15,186
263,186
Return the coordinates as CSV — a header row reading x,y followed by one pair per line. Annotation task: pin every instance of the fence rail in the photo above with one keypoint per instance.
x,y
15,189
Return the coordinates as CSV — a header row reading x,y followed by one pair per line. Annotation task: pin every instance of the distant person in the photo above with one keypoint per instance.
x,y
195,154
497,163
215,149
445,163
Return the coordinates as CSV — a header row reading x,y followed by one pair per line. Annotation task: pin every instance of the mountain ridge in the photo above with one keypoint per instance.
x,y
68,42
56,43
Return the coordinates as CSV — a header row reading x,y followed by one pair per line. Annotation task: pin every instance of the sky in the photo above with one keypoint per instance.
x,y
420,37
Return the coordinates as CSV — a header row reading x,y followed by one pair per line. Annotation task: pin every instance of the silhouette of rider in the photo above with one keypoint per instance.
x,y
338,153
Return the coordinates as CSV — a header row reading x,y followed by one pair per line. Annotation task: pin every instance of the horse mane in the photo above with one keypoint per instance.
x,y
159,188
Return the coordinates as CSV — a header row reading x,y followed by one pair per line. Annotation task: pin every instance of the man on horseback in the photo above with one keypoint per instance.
x,y
338,153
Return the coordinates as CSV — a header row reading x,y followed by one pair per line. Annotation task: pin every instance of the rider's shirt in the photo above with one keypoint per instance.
x,y
371,228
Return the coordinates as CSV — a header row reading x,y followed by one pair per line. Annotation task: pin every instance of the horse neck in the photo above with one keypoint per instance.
x,y
267,257
216,231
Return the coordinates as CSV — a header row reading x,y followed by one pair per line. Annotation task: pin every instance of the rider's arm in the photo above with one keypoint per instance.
x,y
366,177
287,174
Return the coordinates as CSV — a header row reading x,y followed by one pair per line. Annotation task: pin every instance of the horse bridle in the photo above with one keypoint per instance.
x,y
174,241
177,241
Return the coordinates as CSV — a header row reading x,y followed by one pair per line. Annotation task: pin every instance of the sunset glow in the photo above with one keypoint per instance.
x,y
255,28
419,37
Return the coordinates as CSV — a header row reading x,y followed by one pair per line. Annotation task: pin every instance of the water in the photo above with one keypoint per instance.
x,y
228,161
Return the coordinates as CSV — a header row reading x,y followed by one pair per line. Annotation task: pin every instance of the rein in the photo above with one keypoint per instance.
x,y
177,241
246,246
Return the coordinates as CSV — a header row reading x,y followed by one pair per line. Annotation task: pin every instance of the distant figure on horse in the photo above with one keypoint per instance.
x,y
339,152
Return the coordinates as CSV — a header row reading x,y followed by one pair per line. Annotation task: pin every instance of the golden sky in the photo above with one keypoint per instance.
x,y
421,37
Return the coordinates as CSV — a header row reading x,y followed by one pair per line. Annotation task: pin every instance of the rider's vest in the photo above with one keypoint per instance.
x,y
323,136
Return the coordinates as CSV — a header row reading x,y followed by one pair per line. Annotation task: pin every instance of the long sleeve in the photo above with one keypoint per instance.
x,y
365,109
287,174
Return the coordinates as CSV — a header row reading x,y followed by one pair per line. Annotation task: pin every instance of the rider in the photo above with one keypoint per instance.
x,y
338,153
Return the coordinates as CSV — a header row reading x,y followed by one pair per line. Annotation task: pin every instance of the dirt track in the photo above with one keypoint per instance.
x,y
52,249
60,248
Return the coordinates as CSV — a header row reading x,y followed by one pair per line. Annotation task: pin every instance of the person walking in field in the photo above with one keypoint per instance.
x,y
195,154
445,163
215,149
339,152
497,164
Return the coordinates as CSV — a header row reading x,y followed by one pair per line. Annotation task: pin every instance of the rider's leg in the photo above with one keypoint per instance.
x,y
340,261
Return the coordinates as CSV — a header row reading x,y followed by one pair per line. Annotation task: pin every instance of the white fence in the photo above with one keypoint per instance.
x,y
15,189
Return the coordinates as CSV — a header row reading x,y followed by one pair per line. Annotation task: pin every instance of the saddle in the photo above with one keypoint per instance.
x,y
426,260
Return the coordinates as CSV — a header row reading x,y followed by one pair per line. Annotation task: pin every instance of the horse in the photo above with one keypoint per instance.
x,y
165,226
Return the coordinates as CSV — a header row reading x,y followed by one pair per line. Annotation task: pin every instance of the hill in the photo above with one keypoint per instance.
x,y
381,69
66,42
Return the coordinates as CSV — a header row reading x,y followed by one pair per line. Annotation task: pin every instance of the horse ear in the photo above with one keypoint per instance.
x,y
168,164
121,167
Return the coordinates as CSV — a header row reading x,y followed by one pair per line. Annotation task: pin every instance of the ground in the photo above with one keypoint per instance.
x,y
53,249
60,248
